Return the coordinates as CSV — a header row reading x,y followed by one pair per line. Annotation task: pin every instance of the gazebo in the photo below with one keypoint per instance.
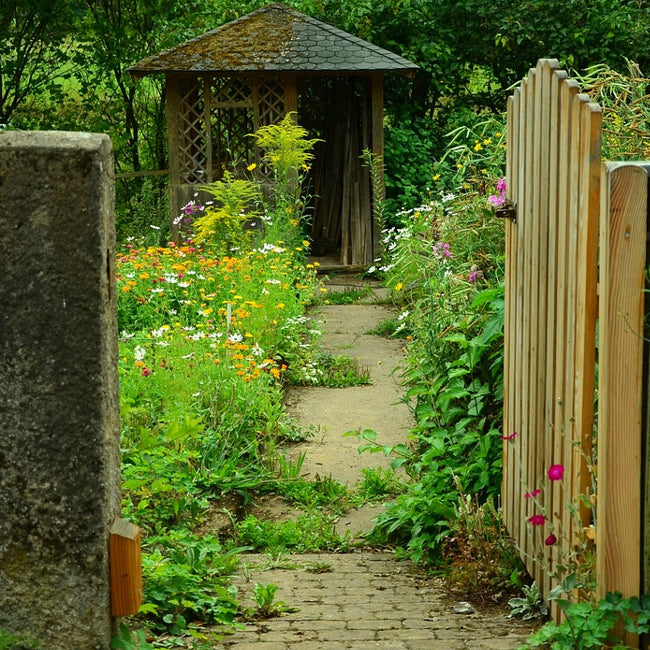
x,y
251,72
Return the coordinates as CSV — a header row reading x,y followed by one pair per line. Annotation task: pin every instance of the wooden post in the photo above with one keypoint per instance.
x,y
377,122
623,255
126,568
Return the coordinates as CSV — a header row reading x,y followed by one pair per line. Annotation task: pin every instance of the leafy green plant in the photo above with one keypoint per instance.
x,y
307,533
482,558
589,625
379,482
529,606
348,296
223,224
266,606
126,639
11,641
185,579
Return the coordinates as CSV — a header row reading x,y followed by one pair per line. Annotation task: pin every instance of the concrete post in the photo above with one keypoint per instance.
x,y
59,397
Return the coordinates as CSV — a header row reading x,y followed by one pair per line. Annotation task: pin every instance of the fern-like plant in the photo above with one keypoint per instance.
x,y
236,202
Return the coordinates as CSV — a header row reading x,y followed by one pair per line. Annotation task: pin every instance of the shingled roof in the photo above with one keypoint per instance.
x,y
274,38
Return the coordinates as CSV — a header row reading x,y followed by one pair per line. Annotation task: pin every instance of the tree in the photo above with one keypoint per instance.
x,y
36,40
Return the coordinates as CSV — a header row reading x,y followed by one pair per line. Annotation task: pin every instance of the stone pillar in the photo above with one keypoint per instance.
x,y
59,397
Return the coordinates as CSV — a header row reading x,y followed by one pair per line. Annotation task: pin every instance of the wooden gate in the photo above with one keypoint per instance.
x,y
558,223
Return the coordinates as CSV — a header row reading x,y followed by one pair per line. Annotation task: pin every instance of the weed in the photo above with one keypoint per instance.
x,y
308,533
532,605
126,639
388,328
379,482
483,561
11,641
266,606
318,567
348,296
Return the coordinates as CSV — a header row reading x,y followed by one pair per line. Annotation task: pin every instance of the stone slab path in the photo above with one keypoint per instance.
x,y
362,599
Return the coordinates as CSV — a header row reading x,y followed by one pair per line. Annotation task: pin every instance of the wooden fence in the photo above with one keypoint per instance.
x,y
567,209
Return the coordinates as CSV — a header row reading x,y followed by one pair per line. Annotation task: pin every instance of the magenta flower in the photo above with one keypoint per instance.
x,y
511,436
146,372
475,275
534,493
556,472
550,540
537,520
501,185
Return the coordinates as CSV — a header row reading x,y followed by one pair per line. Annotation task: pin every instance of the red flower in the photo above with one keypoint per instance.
x,y
512,436
537,520
550,540
534,493
556,472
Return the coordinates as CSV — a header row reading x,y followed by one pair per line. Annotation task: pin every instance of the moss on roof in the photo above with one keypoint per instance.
x,y
274,38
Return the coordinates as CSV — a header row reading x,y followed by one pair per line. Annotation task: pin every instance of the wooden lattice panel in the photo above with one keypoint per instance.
x,y
271,101
230,92
231,120
192,142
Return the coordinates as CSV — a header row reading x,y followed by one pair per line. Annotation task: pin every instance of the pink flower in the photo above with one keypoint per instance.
x,y
475,275
511,436
496,201
537,520
442,249
146,372
534,493
501,185
550,540
556,472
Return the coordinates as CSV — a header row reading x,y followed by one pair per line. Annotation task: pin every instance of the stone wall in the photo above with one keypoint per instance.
x,y
59,401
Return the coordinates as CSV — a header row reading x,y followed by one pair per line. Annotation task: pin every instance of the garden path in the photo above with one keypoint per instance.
x,y
364,599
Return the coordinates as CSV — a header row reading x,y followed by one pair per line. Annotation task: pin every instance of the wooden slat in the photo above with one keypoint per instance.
x,y
623,253
126,568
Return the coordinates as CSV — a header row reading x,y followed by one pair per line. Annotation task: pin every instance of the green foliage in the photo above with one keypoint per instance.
x,y
348,296
10,641
333,371
185,579
266,606
592,626
125,639
308,533
223,224
482,558
379,482
530,606
623,97
286,147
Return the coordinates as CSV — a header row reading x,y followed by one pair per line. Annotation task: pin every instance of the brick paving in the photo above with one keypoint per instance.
x,y
365,600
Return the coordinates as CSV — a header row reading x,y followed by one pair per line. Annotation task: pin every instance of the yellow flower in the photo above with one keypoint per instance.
x,y
436,177
251,167
478,146
398,286
280,305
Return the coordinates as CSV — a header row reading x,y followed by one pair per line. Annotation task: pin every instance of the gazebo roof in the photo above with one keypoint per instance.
x,y
274,39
